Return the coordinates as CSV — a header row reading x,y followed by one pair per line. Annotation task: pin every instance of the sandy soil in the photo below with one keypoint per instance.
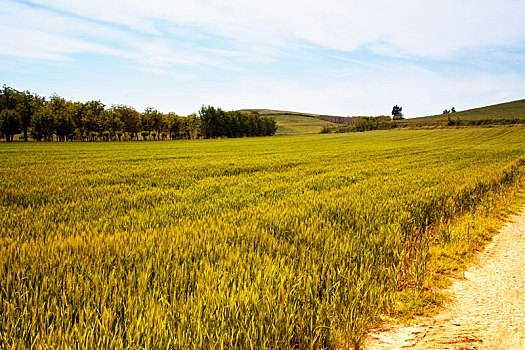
x,y
488,307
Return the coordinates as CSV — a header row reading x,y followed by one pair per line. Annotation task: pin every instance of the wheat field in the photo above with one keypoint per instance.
x,y
288,242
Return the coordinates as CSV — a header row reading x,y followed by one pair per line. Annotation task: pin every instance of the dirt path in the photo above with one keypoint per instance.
x,y
488,311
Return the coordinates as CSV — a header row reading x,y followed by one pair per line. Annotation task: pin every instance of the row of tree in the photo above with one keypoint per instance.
x,y
62,120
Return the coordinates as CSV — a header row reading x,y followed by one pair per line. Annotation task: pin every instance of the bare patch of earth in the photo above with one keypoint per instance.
x,y
488,307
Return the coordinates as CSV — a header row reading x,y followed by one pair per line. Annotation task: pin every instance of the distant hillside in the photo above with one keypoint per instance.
x,y
295,122
508,110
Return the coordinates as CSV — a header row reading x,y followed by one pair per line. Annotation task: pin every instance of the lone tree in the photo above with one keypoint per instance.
x,y
396,112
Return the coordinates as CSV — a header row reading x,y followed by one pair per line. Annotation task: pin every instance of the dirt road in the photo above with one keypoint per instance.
x,y
488,311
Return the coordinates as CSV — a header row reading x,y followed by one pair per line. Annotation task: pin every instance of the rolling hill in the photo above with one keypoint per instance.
x,y
294,122
507,110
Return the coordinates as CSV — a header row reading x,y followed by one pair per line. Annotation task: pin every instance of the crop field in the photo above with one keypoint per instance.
x,y
296,124
290,242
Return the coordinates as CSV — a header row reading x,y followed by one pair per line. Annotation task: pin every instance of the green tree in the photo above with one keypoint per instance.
x,y
9,123
28,105
115,121
106,122
63,113
233,128
130,119
8,98
174,125
64,126
43,124
159,122
269,126
396,112
147,122
251,125
209,121
92,119
193,126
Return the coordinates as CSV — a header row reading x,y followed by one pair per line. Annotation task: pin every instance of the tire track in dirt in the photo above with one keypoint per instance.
x,y
488,307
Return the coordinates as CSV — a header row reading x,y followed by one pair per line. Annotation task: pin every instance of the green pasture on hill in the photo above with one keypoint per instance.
x,y
508,110
294,122
291,242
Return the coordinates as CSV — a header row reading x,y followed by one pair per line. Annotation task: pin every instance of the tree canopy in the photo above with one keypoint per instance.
x,y
59,119
396,112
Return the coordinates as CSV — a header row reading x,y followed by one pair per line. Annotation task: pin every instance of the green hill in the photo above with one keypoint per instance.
x,y
508,110
294,122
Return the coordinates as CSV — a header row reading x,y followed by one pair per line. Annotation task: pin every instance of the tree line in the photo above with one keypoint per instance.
x,y
33,116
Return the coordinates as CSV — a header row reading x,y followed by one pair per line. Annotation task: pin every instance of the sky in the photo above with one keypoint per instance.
x,y
338,57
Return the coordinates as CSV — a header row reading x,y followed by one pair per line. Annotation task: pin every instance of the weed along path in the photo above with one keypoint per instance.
x,y
488,306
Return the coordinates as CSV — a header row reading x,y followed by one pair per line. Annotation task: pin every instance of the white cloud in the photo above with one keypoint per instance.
x,y
421,28
59,30
161,33
232,40
49,46
32,33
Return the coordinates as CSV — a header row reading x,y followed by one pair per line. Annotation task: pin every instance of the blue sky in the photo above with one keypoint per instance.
x,y
332,57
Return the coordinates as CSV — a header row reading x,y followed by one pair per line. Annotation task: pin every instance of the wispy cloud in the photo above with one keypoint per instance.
x,y
56,33
399,29
429,28
334,56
